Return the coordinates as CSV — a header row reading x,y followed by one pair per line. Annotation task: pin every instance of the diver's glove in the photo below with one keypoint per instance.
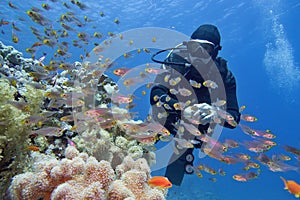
x,y
202,113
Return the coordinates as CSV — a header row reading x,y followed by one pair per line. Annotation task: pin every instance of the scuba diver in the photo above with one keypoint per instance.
x,y
185,93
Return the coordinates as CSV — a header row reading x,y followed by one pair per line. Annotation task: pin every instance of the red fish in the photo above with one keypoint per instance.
x,y
2,22
118,98
143,138
96,112
36,44
155,70
248,118
239,177
245,177
48,131
160,182
121,71
248,130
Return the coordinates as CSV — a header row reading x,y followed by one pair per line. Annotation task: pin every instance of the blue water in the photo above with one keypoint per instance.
x,y
260,41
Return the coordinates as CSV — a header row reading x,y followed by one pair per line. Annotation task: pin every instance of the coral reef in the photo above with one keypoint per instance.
x,y
79,176
16,104
10,54
36,99
99,144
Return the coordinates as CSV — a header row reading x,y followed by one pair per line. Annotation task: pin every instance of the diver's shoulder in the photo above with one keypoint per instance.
x,y
221,60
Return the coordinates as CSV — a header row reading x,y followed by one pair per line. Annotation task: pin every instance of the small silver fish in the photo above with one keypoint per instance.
x,y
48,131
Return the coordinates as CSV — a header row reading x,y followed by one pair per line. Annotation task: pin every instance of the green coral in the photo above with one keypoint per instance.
x,y
35,98
110,146
13,133
13,149
121,142
6,91
135,152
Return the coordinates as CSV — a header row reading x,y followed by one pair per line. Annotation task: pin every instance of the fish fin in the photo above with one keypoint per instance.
x,y
285,183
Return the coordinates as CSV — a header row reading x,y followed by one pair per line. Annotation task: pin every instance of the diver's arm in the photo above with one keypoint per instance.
x,y
231,102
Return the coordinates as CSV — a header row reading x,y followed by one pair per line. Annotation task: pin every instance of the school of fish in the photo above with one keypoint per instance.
x,y
55,35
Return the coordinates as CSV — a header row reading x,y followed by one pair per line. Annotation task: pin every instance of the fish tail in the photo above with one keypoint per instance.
x,y
285,183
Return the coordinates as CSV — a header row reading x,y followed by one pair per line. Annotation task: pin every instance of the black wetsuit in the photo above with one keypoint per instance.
x,y
162,93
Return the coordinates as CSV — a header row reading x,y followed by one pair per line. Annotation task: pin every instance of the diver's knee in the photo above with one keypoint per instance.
x,y
189,159
189,168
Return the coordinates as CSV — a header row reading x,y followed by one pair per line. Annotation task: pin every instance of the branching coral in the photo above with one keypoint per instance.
x,y
81,177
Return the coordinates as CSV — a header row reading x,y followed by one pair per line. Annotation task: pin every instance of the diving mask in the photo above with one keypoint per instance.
x,y
200,51
198,47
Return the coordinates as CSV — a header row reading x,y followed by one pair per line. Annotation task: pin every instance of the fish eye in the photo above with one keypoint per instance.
x,y
125,125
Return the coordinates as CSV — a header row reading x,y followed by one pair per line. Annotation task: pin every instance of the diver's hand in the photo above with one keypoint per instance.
x,y
202,112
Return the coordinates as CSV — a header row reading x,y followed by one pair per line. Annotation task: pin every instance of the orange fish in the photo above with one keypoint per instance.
x,y
292,187
160,181
2,22
33,148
